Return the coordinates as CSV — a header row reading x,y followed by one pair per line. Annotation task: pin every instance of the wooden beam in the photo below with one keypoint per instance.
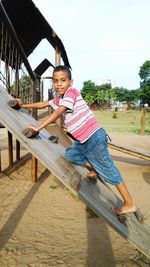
x,y
10,148
0,160
57,62
34,169
57,56
17,150
129,151
143,121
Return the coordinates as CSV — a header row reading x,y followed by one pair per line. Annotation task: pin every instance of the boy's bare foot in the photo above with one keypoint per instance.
x,y
92,175
124,209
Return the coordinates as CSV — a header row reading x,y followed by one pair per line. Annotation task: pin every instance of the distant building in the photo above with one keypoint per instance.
x,y
108,81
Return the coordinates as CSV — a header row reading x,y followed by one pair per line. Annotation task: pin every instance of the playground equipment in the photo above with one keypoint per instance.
x,y
97,196
16,46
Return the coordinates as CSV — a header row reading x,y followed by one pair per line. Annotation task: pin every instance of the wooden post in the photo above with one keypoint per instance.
x,y
17,94
10,148
34,114
34,169
34,99
0,160
42,90
17,150
57,56
57,62
143,121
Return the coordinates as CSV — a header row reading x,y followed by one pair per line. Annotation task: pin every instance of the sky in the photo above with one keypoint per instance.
x,y
104,39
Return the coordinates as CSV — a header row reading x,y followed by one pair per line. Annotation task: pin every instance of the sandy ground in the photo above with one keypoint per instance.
x,y
44,225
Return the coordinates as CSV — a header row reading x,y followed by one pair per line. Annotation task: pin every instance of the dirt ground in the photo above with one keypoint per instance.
x,y
44,225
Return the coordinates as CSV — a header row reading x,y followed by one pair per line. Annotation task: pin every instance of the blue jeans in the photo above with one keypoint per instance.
x,y
95,151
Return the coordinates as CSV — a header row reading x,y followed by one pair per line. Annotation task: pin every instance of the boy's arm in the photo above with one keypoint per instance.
x,y
53,117
37,105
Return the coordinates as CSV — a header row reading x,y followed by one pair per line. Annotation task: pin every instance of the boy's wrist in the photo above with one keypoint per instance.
x,y
19,102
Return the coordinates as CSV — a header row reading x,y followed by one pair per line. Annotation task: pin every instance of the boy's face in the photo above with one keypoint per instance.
x,y
61,82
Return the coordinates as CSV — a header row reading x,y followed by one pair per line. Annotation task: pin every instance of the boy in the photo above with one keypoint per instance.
x,y
90,146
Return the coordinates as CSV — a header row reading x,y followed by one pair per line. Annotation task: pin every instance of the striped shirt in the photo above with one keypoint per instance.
x,y
78,118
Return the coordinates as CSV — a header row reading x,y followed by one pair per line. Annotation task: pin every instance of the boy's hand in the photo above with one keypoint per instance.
x,y
30,131
19,101
35,128
14,104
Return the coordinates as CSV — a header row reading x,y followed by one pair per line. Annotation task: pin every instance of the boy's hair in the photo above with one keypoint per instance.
x,y
63,68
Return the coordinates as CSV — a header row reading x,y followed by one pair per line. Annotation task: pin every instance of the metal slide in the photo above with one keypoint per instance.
x,y
98,197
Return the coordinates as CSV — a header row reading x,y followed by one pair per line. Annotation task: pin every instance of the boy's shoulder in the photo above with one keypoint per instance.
x,y
55,100
72,90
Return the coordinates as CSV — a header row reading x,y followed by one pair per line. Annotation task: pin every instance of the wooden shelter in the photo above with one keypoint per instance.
x,y
31,27
22,27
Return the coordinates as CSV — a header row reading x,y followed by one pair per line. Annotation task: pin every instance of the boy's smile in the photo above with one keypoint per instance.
x,y
61,82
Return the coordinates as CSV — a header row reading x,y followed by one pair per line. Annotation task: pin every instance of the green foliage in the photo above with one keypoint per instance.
x,y
89,88
25,81
90,99
25,86
119,93
128,96
145,94
53,186
105,94
144,74
96,94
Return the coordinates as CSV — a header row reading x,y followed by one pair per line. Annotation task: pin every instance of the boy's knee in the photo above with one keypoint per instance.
x,y
73,157
67,155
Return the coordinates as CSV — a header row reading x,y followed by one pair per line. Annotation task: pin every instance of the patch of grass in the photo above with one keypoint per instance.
x,y
127,121
114,115
53,186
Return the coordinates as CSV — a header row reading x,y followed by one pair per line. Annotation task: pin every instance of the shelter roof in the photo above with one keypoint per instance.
x,y
43,66
31,27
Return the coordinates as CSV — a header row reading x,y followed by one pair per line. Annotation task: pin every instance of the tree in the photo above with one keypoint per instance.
x,y
127,96
89,91
25,86
145,94
104,94
144,74
90,99
119,94
94,94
